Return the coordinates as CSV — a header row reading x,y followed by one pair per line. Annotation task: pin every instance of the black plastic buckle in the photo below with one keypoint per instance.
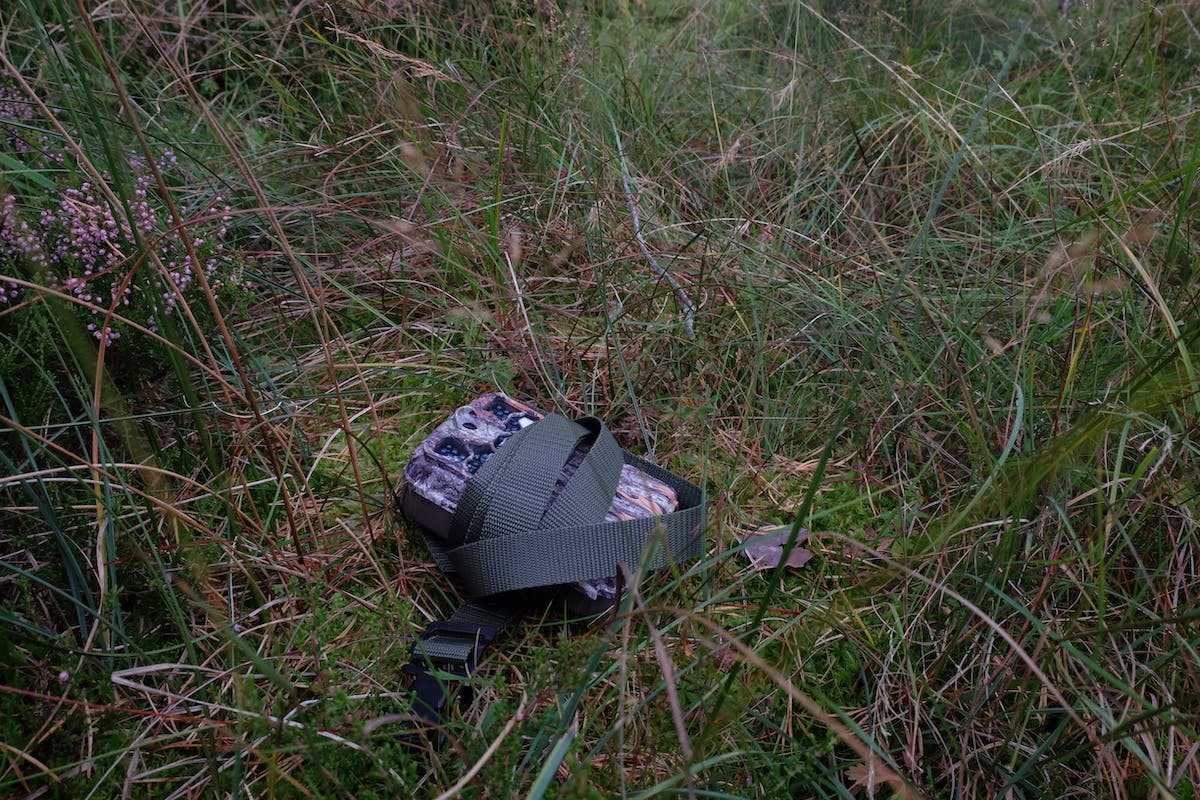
x,y
481,636
430,691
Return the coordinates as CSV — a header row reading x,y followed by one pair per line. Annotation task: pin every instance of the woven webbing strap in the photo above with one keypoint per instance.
x,y
519,525
520,486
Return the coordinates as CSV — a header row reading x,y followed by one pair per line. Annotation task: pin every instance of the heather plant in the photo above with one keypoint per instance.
x,y
16,116
122,268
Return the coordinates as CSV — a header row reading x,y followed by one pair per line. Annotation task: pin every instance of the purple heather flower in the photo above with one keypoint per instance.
x,y
86,248
16,113
17,240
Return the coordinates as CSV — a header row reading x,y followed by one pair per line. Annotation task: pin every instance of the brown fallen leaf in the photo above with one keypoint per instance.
x,y
764,549
855,550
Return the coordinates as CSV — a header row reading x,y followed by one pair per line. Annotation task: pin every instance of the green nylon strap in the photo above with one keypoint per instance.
x,y
438,549
448,646
524,490
570,542
588,493
568,555
472,507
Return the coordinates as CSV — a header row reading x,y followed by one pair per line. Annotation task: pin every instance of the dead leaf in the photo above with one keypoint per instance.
x,y
861,776
871,550
515,249
764,549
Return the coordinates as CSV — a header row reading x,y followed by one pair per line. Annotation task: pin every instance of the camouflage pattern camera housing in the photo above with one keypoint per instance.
x,y
442,464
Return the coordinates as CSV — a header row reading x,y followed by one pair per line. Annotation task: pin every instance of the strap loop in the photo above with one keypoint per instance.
x,y
521,486
571,542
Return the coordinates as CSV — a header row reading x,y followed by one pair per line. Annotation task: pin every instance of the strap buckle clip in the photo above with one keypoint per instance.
x,y
478,636
462,647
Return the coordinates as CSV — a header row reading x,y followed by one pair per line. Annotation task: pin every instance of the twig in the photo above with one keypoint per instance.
x,y
685,302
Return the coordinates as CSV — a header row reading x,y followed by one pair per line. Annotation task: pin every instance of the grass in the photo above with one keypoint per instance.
x,y
939,260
